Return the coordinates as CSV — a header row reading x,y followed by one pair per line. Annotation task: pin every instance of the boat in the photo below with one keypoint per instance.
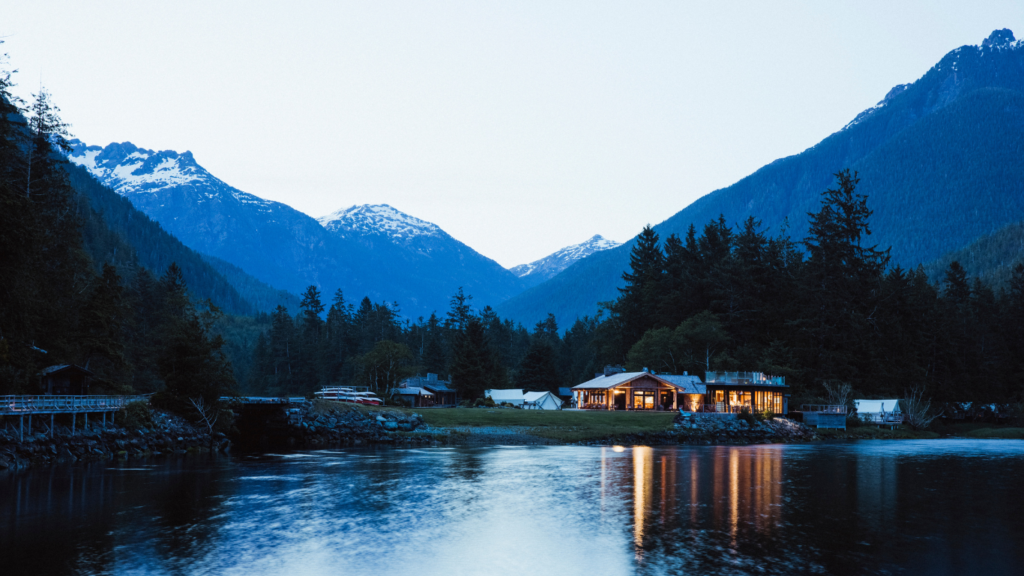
x,y
343,394
368,398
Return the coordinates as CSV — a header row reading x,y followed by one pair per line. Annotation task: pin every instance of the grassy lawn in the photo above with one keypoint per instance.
x,y
562,425
1011,433
874,432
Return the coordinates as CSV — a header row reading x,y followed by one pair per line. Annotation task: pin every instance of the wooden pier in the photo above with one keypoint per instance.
x,y
28,406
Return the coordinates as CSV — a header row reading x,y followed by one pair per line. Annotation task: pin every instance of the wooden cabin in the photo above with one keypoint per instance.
x,y
722,392
639,391
442,394
66,380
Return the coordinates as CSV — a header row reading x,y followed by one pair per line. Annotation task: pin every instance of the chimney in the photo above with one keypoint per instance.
x,y
685,373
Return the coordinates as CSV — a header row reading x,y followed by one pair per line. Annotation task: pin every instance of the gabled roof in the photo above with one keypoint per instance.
x,y
412,391
685,384
62,367
437,386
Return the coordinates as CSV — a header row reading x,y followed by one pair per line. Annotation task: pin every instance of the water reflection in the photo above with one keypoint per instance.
x,y
857,508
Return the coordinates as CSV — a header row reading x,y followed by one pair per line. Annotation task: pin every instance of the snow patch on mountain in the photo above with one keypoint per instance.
x,y
128,169
551,265
378,219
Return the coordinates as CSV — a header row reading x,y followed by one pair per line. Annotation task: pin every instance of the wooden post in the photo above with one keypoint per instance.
x,y
104,420
29,424
51,424
675,399
74,420
21,428
86,426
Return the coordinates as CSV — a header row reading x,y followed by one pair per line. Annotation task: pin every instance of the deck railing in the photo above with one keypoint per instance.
x,y
826,408
47,404
748,378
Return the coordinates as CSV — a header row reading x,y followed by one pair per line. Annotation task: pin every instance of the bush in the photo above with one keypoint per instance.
x,y
765,415
137,415
853,421
484,403
747,416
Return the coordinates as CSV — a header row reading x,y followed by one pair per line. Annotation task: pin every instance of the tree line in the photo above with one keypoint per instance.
x,y
826,309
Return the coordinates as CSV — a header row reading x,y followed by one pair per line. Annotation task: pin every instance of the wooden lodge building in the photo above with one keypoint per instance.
x,y
427,392
722,392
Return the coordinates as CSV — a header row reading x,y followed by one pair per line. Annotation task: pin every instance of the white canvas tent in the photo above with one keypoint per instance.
x,y
513,396
541,401
881,411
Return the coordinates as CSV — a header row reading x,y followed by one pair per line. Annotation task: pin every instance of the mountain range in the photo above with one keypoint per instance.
x,y
940,159
373,251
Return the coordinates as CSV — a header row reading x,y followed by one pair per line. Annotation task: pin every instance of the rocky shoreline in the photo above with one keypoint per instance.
x,y
317,426
168,434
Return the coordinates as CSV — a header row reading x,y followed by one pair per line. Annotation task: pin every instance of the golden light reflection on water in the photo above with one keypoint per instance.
x,y
734,489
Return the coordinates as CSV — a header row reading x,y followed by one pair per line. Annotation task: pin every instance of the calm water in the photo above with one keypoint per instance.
x,y
930,507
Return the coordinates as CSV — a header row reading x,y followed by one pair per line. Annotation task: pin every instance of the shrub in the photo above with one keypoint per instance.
x,y
484,403
765,415
853,421
137,415
747,416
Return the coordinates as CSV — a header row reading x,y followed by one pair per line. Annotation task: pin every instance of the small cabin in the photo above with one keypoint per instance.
x,y
414,396
66,380
441,391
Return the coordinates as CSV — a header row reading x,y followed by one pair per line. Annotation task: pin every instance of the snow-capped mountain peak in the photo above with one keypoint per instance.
x,y
130,170
547,267
378,219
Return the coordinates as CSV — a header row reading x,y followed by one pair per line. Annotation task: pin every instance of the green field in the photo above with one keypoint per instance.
x,y
561,425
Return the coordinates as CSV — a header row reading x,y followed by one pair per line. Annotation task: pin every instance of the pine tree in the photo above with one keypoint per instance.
x,y
473,367
637,306
842,281
537,371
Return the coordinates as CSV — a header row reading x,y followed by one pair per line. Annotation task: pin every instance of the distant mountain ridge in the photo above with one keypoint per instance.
x,y
940,159
548,267
373,251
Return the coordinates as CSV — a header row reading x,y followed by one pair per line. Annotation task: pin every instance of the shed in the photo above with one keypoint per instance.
x,y
541,401
65,379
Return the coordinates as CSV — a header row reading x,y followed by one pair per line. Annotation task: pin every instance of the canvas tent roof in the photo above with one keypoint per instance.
x,y
876,406
545,400
509,395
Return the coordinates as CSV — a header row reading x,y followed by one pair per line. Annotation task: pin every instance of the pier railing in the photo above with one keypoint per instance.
x,y
47,404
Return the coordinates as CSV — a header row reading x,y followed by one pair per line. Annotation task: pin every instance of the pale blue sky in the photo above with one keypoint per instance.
x,y
518,127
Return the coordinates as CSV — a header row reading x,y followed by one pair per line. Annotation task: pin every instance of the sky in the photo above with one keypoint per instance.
x,y
517,127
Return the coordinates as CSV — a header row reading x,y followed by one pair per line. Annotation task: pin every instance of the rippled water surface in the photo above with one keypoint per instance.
x,y
928,507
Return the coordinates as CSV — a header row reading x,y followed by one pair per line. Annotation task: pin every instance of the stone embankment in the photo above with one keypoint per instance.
x,y
312,425
693,428
167,434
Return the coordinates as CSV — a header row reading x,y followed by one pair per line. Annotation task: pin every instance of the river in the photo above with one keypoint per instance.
x,y
866,507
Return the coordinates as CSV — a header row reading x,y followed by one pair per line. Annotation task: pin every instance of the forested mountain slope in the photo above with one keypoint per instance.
x,y
990,258
116,232
941,160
